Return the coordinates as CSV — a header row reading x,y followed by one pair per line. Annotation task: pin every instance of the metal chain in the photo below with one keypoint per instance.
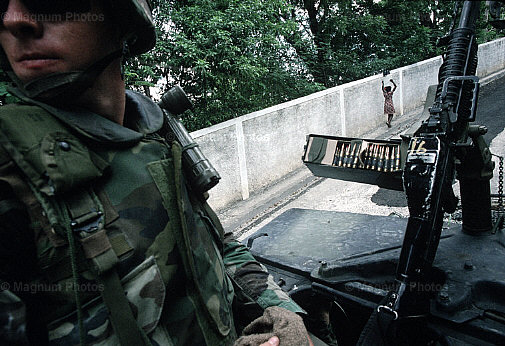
x,y
500,186
500,190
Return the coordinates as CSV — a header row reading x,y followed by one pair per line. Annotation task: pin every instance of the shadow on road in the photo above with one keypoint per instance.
x,y
389,198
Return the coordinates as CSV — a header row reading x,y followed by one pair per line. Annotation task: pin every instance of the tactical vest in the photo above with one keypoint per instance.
x,y
61,172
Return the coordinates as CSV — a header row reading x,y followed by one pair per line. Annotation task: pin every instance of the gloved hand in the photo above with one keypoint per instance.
x,y
275,321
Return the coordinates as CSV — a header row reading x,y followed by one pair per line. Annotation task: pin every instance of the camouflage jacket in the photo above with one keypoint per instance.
x,y
183,278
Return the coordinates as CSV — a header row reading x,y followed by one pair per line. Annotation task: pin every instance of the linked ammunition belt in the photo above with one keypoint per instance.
x,y
377,162
367,155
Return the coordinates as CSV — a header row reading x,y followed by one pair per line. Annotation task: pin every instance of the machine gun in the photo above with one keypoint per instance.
x,y
439,149
411,283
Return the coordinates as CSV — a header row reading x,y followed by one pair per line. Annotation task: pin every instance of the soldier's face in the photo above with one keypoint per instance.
x,y
39,42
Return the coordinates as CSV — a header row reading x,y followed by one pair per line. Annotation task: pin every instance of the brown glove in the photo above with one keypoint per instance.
x,y
276,321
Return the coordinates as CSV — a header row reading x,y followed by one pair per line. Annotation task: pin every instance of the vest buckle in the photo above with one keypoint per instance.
x,y
88,222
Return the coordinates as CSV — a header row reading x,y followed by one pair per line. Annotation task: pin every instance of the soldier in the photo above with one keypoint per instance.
x,y
103,240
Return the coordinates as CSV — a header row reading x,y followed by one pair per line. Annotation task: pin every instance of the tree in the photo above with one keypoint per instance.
x,y
346,40
229,56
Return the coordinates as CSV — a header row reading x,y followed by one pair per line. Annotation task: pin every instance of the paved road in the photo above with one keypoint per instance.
x,y
491,109
302,190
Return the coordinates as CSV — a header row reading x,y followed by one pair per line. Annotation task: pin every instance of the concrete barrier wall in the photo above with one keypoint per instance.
x,y
415,81
491,57
257,149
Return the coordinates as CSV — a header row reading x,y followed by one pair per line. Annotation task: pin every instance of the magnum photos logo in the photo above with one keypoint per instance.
x,y
36,287
54,17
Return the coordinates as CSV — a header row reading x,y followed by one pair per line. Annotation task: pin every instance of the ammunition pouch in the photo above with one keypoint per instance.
x,y
51,157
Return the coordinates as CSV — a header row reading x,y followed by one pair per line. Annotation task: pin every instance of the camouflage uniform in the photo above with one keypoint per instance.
x,y
179,272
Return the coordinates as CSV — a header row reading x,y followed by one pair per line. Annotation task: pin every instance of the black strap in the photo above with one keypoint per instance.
x,y
377,330
63,87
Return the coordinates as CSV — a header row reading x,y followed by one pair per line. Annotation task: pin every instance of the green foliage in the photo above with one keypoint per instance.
x,y
229,57
352,39
485,31
233,57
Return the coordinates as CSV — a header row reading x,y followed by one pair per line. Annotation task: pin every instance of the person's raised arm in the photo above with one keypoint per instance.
x,y
394,85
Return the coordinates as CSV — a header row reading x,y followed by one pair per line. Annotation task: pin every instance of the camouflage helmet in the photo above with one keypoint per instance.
x,y
135,23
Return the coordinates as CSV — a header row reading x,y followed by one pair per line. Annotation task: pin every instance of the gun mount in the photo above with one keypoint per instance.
x,y
403,281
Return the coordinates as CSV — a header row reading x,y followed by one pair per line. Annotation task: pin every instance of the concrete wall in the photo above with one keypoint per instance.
x,y
415,82
491,57
257,149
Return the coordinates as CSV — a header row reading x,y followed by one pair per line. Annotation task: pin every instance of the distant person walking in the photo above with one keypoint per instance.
x,y
389,109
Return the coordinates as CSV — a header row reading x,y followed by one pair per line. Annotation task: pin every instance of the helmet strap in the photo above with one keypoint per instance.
x,y
64,86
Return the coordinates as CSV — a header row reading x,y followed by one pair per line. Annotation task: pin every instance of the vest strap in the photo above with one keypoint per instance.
x,y
85,211
121,316
63,269
168,177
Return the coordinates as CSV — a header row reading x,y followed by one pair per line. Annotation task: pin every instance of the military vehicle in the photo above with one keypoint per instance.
x,y
377,280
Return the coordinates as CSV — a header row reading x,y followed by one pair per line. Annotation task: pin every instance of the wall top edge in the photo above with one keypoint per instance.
x,y
316,95
497,41
249,116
